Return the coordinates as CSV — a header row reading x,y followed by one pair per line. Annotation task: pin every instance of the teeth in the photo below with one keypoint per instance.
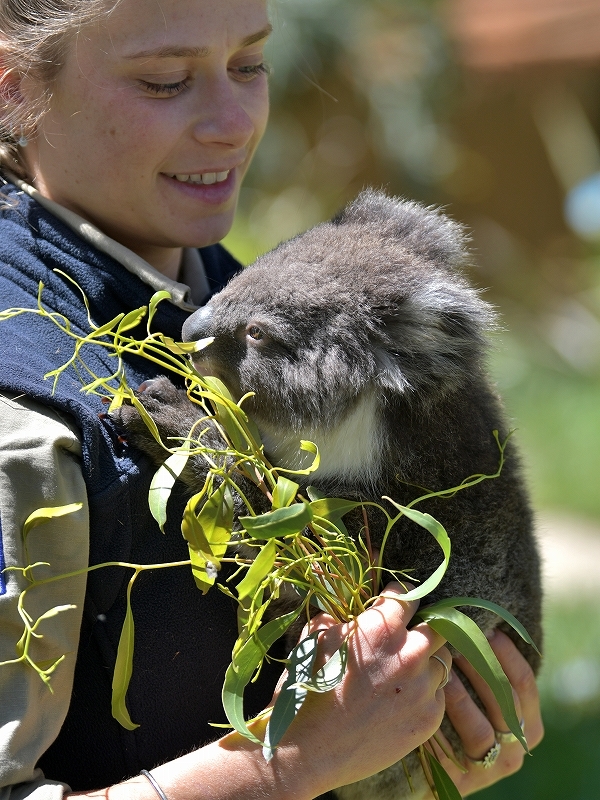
x,y
206,178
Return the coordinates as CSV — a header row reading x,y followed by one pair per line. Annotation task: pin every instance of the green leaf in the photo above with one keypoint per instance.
x,y
148,421
443,782
315,494
208,533
191,529
52,612
331,673
477,602
228,414
258,571
163,481
156,298
292,694
181,348
281,522
469,640
106,328
242,668
284,493
440,535
204,570
216,520
124,668
333,509
132,319
41,515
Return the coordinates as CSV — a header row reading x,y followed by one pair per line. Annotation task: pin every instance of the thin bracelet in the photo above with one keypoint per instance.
x,y
155,785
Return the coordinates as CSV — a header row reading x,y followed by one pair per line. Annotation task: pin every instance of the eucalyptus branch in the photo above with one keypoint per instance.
x,y
300,543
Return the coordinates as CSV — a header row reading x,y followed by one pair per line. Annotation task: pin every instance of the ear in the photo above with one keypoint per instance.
x,y
425,231
432,343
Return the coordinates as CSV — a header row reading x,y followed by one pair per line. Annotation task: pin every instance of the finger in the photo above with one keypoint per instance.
x,y
471,724
486,695
398,612
443,658
522,679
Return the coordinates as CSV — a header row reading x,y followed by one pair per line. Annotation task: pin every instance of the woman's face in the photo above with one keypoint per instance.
x,y
153,122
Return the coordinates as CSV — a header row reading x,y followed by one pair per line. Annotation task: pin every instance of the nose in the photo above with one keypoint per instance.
x,y
224,119
198,325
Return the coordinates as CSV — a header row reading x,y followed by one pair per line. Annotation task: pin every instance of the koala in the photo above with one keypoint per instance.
x,y
363,336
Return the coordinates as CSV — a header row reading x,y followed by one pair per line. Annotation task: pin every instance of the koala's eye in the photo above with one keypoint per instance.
x,y
254,332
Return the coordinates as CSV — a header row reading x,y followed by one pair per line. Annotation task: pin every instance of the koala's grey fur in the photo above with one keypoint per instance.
x,y
363,336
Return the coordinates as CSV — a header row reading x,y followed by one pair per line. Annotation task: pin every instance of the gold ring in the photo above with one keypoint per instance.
x,y
446,677
489,758
508,737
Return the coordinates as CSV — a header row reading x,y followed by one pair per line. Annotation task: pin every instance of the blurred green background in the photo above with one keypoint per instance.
x,y
490,108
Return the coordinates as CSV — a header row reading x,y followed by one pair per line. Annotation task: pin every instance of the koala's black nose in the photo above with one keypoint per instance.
x,y
198,325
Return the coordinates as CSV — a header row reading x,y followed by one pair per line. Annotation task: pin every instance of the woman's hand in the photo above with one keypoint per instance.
x,y
389,702
478,732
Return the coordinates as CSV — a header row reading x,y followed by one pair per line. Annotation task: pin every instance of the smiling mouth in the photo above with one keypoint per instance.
x,y
204,178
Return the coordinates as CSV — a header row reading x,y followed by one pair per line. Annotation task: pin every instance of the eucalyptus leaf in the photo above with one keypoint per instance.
x,y
284,493
124,668
52,612
41,515
258,571
281,522
183,348
468,639
204,570
216,520
292,694
106,328
148,421
156,298
443,782
333,509
242,668
131,320
477,602
191,529
439,533
315,494
163,481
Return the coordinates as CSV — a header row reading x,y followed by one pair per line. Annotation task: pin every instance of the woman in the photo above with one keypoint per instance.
x,y
128,127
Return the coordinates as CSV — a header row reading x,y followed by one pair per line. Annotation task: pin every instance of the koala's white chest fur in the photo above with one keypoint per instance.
x,y
351,451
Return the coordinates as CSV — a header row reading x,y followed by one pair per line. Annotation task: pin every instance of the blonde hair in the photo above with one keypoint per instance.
x,y
34,37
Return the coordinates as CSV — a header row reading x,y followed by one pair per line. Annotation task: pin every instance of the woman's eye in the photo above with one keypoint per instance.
x,y
254,332
165,89
251,71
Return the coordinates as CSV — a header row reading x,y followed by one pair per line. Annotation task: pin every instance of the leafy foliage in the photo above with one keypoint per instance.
x,y
300,544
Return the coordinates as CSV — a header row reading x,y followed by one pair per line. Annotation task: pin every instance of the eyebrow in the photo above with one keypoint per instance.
x,y
196,52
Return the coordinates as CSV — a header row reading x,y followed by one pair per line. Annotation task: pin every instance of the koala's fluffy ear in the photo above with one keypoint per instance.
x,y
425,231
433,340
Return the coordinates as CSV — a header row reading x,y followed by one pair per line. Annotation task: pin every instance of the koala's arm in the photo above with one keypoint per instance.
x,y
174,415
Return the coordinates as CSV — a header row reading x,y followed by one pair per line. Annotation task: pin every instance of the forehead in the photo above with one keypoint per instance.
x,y
134,27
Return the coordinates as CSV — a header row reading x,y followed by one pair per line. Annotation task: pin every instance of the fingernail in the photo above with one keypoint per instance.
x,y
490,634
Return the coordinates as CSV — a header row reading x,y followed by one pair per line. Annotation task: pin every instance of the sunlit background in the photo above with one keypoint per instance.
x,y
490,108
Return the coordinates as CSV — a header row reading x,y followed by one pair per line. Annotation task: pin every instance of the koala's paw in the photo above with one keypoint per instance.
x,y
171,410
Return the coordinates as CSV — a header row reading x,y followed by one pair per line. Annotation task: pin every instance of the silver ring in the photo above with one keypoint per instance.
x,y
508,737
489,758
446,677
